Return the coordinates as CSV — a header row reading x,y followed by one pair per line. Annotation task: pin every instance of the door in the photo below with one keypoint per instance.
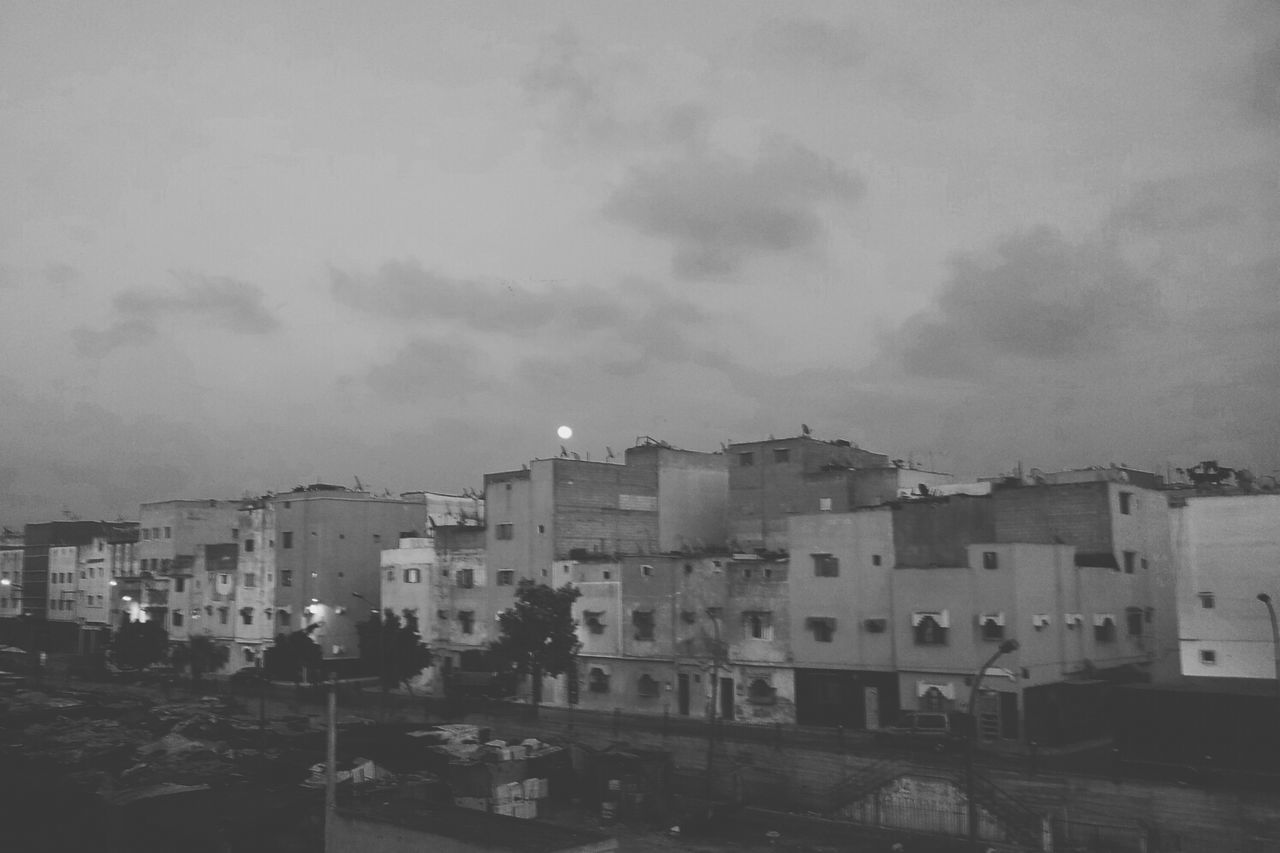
x,y
682,693
989,715
726,699
1009,716
871,706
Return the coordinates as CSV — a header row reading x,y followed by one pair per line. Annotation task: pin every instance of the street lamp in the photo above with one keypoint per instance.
x,y
971,735
1275,635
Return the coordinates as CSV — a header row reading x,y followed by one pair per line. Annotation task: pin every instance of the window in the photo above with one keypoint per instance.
x,y
466,578
1126,503
781,455
248,546
235,533
1207,600
646,571
391,575
286,577
177,618
223,613
992,625
505,531
506,577
647,686
642,620
825,566
824,504
760,692
1208,657
930,627
990,560
1130,561
592,619
758,624
250,579
413,575
542,528
1144,563
876,559
1104,628
597,680
168,533
1133,621
286,539
746,460
246,615
467,619
180,584
823,628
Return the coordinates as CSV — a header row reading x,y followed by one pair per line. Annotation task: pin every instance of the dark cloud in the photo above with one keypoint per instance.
x,y
405,291
811,42
719,210
222,302
1036,296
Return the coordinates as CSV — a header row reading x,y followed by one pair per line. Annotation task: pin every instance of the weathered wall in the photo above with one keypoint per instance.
x,y
936,532
603,508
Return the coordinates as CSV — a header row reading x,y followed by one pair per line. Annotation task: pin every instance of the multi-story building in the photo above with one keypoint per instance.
x,y
125,583
170,534
1227,553
327,553
771,480
11,587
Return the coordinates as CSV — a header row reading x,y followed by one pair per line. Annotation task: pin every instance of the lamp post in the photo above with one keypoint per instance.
x,y
1005,648
1275,636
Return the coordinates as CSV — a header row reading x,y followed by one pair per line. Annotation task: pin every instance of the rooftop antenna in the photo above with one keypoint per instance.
x,y
804,428
359,485
608,452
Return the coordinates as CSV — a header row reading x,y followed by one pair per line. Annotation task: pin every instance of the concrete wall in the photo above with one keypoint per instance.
x,y
601,507
936,532
693,495
512,498
1228,546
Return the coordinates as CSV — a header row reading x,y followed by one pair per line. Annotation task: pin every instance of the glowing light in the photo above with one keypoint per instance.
x,y
126,598
565,432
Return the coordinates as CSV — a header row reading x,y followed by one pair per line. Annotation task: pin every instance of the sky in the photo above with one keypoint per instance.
x,y
245,246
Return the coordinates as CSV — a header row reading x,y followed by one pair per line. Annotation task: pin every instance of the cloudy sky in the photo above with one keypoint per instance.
x,y
245,246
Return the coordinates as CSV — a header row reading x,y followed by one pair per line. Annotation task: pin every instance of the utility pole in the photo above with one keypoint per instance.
x,y
1005,648
1275,636
331,764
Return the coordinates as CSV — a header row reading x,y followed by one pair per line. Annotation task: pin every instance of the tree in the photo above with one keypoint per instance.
x,y
294,657
139,644
393,649
200,654
538,635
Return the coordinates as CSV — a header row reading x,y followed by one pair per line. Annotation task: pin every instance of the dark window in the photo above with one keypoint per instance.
x,y
168,533
992,629
286,577
505,531
746,460
758,624
825,566
1133,621
1208,656
1104,630
876,559
246,615
467,618
642,620
760,692
177,618
1126,503
286,538
413,575
506,577
235,533
179,584
591,618
781,455
250,579
466,578
646,571
823,628
647,686
929,631
597,680
223,613
990,560
1207,600
248,545
1130,561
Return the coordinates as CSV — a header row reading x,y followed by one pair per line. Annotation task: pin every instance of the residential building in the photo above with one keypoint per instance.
x,y
11,588
170,535
327,558
773,479
1227,552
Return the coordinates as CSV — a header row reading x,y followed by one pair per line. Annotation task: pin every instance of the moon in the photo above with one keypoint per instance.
x,y
565,433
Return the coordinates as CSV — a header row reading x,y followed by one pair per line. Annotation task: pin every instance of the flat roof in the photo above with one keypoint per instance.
x,y
480,828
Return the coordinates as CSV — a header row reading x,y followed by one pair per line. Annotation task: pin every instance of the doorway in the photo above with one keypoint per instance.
x,y
682,694
726,699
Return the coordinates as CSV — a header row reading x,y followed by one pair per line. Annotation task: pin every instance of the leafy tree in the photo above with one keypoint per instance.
x,y
294,657
140,643
200,654
392,648
538,634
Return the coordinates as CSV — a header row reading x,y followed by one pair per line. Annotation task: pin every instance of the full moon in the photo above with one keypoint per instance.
x,y
565,432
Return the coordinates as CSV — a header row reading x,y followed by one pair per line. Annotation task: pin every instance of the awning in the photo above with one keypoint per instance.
x,y
947,690
1072,618
1100,619
997,618
1039,620
942,617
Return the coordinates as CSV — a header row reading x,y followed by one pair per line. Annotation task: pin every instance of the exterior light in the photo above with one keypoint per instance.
x,y
126,598
315,601
113,583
